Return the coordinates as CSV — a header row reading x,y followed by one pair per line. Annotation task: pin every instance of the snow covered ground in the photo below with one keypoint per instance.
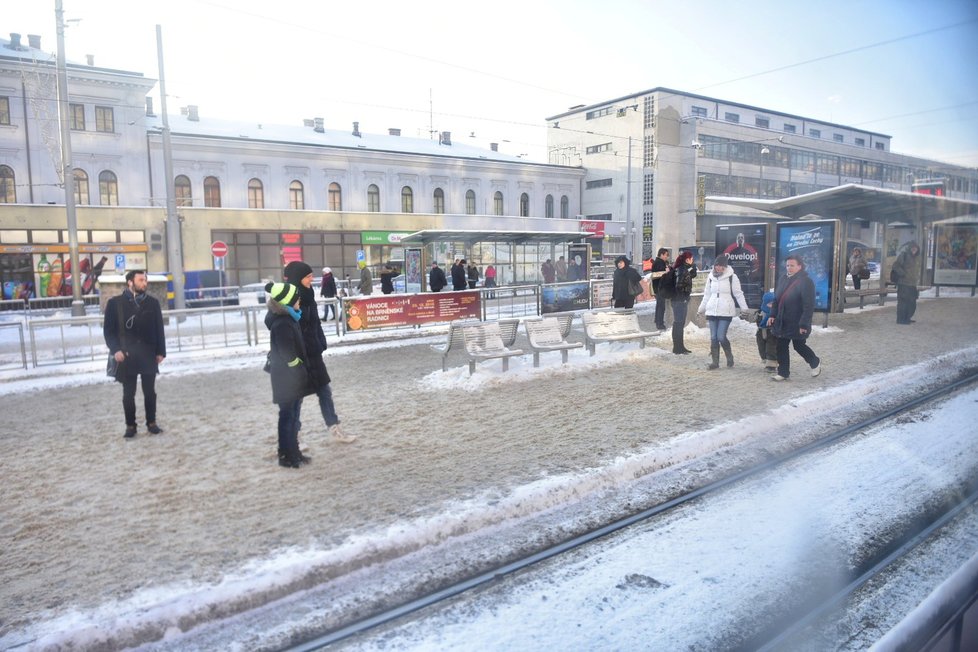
x,y
196,539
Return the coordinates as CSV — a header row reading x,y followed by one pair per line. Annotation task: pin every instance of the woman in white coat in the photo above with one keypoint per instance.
x,y
721,298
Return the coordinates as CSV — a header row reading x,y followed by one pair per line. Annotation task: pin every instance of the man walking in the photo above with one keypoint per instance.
x,y
133,331
436,278
906,274
659,267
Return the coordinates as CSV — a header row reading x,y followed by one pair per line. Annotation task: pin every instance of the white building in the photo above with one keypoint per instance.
x,y
685,147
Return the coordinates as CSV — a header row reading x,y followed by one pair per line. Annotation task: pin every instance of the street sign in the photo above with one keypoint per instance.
x,y
219,249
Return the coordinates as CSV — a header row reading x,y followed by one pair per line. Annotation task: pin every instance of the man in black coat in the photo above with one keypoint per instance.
x,y
659,267
458,276
133,331
436,278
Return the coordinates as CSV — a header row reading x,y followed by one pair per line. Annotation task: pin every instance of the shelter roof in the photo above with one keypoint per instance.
x,y
865,202
510,237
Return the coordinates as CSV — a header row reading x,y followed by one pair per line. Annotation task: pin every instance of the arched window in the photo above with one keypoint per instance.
x,y
182,192
407,200
470,202
497,203
108,188
524,205
439,200
212,192
373,199
81,187
549,206
8,189
297,200
564,207
256,194
335,197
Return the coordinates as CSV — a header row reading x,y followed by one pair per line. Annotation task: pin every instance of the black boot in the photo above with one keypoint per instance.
x,y
728,352
677,340
714,356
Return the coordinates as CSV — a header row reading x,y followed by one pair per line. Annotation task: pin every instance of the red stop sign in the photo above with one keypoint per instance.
x,y
219,249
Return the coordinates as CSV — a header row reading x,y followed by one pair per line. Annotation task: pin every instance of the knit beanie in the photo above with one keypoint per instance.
x,y
281,293
296,271
721,260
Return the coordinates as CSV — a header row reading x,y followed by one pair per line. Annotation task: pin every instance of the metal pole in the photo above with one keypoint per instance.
x,y
628,202
77,305
174,238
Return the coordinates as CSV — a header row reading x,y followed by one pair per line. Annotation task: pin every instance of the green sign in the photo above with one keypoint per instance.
x,y
382,237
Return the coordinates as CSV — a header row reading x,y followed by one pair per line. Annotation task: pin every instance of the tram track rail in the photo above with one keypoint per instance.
x,y
928,522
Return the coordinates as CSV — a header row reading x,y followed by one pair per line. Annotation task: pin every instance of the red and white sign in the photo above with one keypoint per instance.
x,y
594,227
219,249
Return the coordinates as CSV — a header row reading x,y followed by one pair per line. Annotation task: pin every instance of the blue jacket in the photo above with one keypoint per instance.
x,y
765,308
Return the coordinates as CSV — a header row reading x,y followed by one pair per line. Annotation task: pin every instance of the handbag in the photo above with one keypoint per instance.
x,y
268,363
635,288
864,274
112,366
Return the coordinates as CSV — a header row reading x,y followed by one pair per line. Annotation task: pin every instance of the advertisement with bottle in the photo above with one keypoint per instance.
x,y
815,244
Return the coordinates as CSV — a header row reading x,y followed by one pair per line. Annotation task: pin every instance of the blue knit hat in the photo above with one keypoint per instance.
x,y
283,293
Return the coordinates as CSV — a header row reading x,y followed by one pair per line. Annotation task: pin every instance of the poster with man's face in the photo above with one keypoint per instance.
x,y
746,248
814,243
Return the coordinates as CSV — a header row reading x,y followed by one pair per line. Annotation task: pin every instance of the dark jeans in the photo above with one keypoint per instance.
x,y
326,405
660,313
906,302
129,398
329,310
856,281
679,308
784,360
288,427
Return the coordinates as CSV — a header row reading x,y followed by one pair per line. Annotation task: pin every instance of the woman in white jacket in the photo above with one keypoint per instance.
x,y
721,298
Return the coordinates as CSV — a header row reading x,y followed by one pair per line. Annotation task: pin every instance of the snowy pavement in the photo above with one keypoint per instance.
x,y
125,542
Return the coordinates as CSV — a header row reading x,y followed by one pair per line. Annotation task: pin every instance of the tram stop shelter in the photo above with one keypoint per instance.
x,y
519,251
913,214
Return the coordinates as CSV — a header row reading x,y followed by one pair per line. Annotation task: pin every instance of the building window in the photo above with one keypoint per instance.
x,y
104,119
790,129
524,205
81,187
763,123
297,200
648,154
76,116
497,203
597,183
860,142
407,200
649,112
439,201
8,187
335,197
373,198
731,117
108,188
212,192
564,207
548,206
648,189
597,149
880,146
815,133
838,138
591,115
182,191
256,194
699,112
4,110
470,202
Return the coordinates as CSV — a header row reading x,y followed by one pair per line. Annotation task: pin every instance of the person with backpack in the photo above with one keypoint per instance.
x,y
680,278
659,267
721,298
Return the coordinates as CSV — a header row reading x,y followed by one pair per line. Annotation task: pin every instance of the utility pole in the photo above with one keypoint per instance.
x,y
628,203
77,305
174,238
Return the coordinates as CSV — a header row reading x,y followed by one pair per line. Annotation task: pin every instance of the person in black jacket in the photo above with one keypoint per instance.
x,y
791,317
133,331
458,276
436,278
625,276
328,291
387,280
685,272
299,274
288,369
659,267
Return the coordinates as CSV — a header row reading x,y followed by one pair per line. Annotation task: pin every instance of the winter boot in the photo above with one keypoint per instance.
x,y
728,352
677,340
714,356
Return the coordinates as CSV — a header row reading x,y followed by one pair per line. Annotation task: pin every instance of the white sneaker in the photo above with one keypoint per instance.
x,y
817,370
339,436
778,378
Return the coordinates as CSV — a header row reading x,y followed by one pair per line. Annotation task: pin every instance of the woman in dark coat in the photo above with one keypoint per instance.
x,y
791,317
328,291
685,272
299,274
625,275
288,368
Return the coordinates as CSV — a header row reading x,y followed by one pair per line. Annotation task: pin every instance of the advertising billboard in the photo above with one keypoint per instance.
x,y
564,297
815,243
363,313
956,254
746,248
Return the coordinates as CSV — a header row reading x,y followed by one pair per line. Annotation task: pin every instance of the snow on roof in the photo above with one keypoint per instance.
x,y
298,134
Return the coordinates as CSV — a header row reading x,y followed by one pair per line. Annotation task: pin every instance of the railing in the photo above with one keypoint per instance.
x,y
7,351
44,305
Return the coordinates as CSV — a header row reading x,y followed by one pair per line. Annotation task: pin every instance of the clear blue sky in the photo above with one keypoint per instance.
x,y
904,68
